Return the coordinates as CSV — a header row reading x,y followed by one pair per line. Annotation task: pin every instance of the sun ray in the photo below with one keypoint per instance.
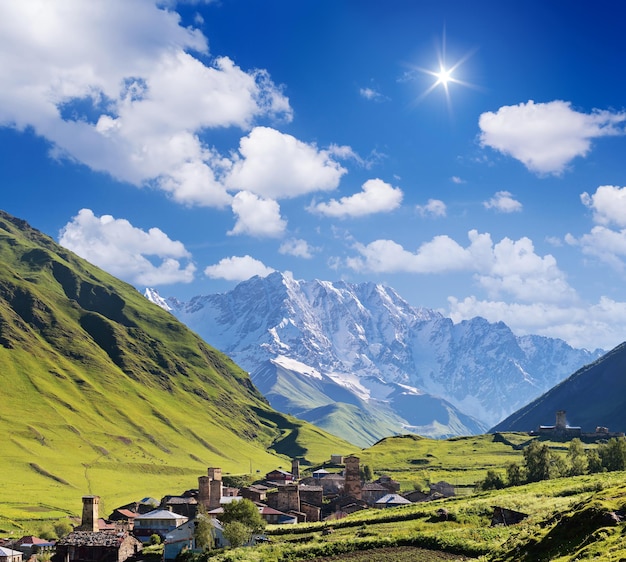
x,y
444,77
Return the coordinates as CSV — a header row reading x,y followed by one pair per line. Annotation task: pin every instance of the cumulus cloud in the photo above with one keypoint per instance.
x,y
377,196
503,202
297,247
276,165
257,216
546,137
608,245
128,252
457,180
608,204
599,325
506,268
237,268
434,208
115,85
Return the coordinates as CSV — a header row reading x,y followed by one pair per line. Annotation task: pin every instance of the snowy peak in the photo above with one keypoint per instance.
x,y
366,339
153,296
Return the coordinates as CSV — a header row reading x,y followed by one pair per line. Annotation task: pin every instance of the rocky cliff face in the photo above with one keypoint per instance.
x,y
365,339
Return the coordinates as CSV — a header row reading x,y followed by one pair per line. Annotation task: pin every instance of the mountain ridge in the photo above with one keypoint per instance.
x,y
367,339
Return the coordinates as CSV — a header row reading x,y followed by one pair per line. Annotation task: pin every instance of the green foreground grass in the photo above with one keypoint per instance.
x,y
568,519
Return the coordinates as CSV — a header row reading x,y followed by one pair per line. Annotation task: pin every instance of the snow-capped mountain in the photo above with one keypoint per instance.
x,y
313,344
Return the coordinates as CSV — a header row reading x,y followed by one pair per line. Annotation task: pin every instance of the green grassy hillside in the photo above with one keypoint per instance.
x,y
576,518
104,393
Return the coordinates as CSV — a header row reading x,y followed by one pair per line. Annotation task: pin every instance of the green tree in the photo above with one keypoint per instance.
x,y
514,474
204,532
577,458
613,454
541,463
243,511
493,481
237,534
366,473
63,528
155,539
594,462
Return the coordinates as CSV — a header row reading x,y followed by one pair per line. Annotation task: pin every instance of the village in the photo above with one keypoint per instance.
x,y
282,497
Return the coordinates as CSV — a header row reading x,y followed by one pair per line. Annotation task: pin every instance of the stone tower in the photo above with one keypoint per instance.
x,y
288,498
295,469
352,475
215,474
561,421
89,521
210,489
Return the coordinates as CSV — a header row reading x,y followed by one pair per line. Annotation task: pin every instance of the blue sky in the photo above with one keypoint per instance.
x,y
469,155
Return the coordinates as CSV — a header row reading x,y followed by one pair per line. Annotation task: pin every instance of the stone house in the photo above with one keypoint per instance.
x,y
96,546
372,492
10,555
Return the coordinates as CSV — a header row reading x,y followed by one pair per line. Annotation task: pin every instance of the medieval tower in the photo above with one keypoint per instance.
x,y
210,489
352,475
295,469
90,514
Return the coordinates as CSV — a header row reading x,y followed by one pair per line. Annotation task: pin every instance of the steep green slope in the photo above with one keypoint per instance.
x,y
105,393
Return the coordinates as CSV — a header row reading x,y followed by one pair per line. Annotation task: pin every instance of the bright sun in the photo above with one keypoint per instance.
x,y
444,76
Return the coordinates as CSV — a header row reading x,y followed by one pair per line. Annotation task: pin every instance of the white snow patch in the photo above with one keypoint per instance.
x,y
297,366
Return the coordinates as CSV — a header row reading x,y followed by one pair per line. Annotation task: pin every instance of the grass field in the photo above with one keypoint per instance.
x,y
568,519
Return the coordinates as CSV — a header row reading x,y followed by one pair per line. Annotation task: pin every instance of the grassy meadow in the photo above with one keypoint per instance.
x,y
568,519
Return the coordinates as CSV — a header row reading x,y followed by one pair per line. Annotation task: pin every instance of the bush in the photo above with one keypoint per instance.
x,y
155,539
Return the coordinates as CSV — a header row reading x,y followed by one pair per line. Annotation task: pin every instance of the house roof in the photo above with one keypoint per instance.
x,y
94,539
127,513
160,514
393,499
373,487
8,552
30,539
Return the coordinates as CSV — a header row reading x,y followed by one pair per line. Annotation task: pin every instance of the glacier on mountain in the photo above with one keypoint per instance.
x,y
395,359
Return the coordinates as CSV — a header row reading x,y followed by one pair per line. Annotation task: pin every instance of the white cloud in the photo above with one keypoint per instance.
x,y
377,197
113,84
600,325
237,268
276,165
257,216
506,268
127,252
457,180
546,137
434,208
608,204
297,247
371,94
503,202
609,246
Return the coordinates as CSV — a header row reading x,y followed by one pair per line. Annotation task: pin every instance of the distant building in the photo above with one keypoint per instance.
x,y
391,500
90,546
10,555
279,476
184,537
157,522
560,429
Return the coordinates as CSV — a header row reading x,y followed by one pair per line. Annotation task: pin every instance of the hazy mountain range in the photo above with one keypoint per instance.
x,y
360,361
